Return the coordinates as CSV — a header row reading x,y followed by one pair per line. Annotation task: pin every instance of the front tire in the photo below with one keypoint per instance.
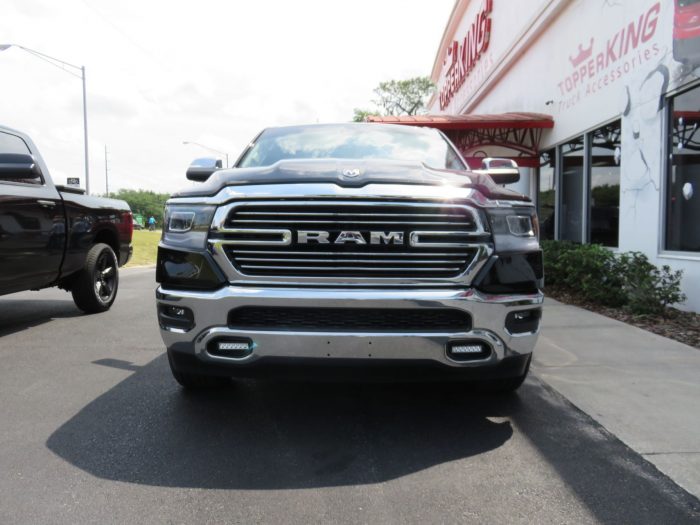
x,y
95,287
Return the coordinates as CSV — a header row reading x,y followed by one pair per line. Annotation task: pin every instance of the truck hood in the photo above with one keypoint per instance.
x,y
350,174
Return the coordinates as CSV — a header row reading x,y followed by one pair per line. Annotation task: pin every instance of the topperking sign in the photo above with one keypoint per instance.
x,y
463,55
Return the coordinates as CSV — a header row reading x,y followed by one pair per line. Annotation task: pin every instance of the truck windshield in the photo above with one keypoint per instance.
x,y
352,141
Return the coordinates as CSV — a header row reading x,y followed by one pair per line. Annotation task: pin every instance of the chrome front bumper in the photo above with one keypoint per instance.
x,y
211,312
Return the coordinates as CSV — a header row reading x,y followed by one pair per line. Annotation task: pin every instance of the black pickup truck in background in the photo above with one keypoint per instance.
x,y
51,235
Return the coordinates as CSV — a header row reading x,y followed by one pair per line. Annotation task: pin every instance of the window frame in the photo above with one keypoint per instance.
x,y
554,150
558,178
560,185
667,156
589,174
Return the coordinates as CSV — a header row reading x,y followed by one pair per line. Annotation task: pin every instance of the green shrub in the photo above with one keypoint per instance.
x,y
596,274
649,290
589,270
553,254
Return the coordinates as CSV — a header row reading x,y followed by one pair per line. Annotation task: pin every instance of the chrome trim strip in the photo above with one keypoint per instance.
x,y
408,192
507,300
333,214
222,213
365,254
416,242
403,223
349,297
369,261
350,268
286,239
173,330
395,192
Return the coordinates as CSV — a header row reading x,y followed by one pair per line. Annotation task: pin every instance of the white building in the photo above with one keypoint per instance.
x,y
620,165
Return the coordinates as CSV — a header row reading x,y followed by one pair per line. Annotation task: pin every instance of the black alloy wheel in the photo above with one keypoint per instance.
x,y
105,276
95,286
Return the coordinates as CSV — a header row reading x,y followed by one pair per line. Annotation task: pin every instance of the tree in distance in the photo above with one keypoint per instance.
x,y
398,97
144,202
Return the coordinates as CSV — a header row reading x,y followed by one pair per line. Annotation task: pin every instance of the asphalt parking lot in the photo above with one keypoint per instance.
x,y
94,430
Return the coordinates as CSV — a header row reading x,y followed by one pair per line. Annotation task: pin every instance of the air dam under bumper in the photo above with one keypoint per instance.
x,y
211,311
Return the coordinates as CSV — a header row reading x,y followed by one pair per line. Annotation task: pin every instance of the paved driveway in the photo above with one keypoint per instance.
x,y
94,430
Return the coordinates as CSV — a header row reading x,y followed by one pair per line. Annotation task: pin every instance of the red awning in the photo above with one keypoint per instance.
x,y
520,132
467,122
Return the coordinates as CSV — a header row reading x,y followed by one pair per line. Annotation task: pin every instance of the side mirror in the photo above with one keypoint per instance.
x,y
502,171
18,166
201,169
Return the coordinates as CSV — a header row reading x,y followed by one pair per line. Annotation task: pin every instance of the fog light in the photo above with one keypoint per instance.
x,y
232,348
175,317
468,350
227,346
524,321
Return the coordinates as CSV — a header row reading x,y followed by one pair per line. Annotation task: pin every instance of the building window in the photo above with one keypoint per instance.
x,y
605,185
546,196
572,191
683,186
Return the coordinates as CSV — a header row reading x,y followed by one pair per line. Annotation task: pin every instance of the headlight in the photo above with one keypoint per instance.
x,y
514,229
517,269
187,226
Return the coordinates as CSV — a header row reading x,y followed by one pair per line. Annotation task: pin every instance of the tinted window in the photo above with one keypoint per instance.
x,y
571,215
683,186
605,184
546,200
352,141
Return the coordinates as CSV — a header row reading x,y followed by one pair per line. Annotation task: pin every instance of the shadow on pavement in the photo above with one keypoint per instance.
x,y
271,435
265,435
19,314
614,482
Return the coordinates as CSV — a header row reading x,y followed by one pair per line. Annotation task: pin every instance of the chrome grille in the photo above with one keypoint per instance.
x,y
437,240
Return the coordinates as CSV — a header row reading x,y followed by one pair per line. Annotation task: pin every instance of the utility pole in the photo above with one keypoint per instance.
x,y
106,172
85,134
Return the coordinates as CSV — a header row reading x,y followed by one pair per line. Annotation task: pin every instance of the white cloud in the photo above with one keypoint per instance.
x,y
212,72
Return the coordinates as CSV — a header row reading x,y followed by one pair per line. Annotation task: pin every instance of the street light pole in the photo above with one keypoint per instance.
x,y
210,149
85,135
62,64
106,173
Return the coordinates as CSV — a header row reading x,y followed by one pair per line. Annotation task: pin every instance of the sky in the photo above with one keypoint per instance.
x,y
163,72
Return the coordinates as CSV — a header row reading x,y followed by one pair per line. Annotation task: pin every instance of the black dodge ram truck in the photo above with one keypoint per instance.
x,y
363,249
52,235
